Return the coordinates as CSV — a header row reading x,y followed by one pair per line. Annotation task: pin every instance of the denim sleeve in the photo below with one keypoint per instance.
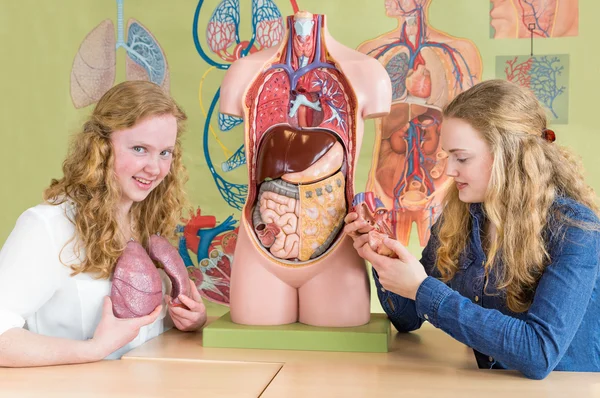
x,y
535,345
402,311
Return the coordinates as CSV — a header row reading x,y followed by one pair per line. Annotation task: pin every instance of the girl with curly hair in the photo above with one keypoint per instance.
x,y
512,265
123,180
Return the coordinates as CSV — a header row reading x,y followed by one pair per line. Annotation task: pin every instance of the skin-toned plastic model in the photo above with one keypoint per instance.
x,y
304,104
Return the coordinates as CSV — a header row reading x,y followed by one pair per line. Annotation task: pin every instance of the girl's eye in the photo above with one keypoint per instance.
x,y
461,160
139,149
166,153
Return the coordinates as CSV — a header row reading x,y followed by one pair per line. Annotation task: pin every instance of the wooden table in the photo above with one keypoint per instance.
x,y
426,363
426,347
139,379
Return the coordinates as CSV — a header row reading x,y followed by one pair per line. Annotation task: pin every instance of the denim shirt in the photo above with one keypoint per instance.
x,y
561,329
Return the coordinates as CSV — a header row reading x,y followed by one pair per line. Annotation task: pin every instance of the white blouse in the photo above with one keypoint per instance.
x,y
37,291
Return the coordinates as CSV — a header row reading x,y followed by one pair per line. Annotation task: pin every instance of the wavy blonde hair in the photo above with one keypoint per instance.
x,y
528,173
89,181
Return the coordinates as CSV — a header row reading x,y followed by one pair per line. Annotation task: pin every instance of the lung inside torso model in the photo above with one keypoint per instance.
x,y
301,118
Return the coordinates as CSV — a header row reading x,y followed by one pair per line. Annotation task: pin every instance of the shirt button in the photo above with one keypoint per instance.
x,y
482,263
476,299
426,317
383,289
391,304
491,359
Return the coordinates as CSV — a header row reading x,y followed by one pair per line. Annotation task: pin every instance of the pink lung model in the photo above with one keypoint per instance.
x,y
161,251
136,285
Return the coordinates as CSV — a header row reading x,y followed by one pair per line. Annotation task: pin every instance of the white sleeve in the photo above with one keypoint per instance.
x,y
29,270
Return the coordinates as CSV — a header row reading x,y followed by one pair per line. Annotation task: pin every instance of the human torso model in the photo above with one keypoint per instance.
x,y
304,106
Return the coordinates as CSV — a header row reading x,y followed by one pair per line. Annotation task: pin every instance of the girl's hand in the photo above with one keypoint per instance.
x,y
356,226
113,333
402,276
191,318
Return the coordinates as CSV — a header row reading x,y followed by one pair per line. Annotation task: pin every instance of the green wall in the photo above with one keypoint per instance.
x,y
40,40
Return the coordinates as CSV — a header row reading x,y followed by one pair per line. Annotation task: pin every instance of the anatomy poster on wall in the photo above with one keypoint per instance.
x,y
546,75
95,64
428,68
513,19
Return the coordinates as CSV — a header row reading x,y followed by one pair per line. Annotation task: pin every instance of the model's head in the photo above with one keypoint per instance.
x,y
500,154
488,131
126,157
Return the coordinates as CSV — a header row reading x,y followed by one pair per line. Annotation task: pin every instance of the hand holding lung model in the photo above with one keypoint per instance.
x,y
137,287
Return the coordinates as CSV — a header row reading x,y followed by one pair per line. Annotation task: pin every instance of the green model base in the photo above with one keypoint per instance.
x,y
372,337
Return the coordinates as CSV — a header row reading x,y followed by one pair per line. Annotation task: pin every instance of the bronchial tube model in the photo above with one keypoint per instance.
x,y
304,105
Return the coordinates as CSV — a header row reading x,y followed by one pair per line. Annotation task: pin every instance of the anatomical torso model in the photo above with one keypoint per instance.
x,y
304,105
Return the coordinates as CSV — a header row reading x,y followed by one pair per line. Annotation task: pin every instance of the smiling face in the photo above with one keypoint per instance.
x,y
143,156
469,159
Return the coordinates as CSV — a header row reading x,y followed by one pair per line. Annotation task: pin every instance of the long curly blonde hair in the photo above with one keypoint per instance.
x,y
90,184
528,173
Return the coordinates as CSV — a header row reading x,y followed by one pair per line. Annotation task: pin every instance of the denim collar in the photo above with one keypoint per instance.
x,y
476,210
477,221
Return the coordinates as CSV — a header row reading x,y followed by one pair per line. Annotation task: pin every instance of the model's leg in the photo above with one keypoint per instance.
x,y
257,296
339,295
